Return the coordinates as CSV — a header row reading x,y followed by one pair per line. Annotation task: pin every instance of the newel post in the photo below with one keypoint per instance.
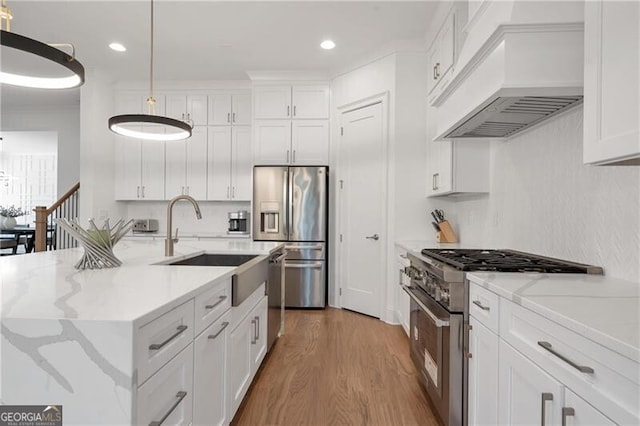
x,y
41,228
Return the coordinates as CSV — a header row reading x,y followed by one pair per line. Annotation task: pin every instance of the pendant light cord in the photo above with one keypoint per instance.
x,y
151,101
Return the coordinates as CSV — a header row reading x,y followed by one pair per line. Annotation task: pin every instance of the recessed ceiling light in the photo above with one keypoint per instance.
x,y
328,44
117,47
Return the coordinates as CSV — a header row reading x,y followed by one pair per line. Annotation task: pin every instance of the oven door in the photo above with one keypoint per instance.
x,y
430,337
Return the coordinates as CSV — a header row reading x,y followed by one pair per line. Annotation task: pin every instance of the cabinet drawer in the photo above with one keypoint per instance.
x,y
211,304
484,306
161,339
608,381
167,397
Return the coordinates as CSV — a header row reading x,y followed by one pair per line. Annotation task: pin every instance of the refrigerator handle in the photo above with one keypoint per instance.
x,y
290,217
285,203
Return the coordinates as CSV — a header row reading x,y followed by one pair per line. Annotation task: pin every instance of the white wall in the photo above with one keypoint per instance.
x,y
544,200
63,119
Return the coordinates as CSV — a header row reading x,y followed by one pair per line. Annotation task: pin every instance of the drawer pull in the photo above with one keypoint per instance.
x,y
546,396
481,306
180,330
567,412
221,299
581,368
180,395
213,336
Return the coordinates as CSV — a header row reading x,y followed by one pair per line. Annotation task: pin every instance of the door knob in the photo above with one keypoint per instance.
x,y
373,237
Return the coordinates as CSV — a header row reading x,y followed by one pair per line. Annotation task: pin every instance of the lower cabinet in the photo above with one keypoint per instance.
x,y
210,368
247,348
483,374
581,412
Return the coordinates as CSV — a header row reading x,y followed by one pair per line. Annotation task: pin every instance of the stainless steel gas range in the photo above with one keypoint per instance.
x,y
439,315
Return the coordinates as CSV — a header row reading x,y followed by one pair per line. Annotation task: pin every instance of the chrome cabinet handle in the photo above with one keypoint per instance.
x,y
481,306
567,412
294,110
183,190
257,328
288,109
233,119
545,397
287,156
220,300
180,330
138,192
142,191
213,336
180,395
580,368
253,339
228,117
437,69
434,73
294,155
233,192
437,180
228,192
187,190
375,237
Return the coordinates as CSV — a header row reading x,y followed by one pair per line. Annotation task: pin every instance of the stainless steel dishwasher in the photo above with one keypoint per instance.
x,y
275,297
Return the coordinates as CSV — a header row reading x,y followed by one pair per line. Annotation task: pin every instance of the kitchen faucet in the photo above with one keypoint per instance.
x,y
169,241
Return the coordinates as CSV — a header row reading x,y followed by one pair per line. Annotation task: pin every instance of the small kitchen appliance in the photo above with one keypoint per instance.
x,y
439,309
141,226
238,222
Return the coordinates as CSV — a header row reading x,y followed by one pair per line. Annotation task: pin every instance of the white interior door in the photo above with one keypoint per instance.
x,y
362,209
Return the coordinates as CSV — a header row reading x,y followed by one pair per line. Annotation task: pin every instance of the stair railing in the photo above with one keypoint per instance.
x,y
48,235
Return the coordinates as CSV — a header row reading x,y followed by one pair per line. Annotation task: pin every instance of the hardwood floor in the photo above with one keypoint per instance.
x,y
336,367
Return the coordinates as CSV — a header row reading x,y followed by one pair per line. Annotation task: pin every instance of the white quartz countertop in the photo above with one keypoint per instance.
x,y
603,309
46,285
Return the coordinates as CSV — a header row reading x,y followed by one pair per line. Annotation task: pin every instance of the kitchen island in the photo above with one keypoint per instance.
x,y
77,338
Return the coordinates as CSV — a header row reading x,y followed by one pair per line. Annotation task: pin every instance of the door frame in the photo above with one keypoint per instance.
x,y
383,99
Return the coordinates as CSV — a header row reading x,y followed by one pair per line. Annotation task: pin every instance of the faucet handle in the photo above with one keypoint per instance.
x,y
175,240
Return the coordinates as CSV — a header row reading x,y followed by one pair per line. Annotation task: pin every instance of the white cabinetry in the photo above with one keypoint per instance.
x,y
441,58
139,169
291,125
580,412
483,374
190,108
229,152
611,83
259,342
226,109
210,367
186,166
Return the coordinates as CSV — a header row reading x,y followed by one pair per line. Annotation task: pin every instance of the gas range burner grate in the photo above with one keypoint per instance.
x,y
506,261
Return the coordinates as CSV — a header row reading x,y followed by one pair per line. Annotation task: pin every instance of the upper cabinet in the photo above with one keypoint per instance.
x,y
611,82
441,58
191,108
228,109
294,102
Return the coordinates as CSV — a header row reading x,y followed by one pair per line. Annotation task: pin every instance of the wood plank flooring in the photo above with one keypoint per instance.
x,y
336,367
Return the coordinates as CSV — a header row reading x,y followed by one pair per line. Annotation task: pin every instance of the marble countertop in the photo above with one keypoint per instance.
x,y
603,309
46,285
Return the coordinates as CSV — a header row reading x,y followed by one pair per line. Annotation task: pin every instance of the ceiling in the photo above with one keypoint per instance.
x,y
215,40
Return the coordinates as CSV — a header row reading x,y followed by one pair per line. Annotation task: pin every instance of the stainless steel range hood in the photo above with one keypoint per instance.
x,y
522,75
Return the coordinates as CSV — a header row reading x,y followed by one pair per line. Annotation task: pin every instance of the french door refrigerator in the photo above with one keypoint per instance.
x,y
290,205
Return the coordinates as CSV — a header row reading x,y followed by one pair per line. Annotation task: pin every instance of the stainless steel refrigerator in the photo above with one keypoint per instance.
x,y
290,205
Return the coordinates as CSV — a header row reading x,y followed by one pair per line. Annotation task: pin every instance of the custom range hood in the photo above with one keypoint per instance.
x,y
521,76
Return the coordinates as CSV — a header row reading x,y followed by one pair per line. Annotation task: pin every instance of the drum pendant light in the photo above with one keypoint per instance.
x,y
44,51
142,126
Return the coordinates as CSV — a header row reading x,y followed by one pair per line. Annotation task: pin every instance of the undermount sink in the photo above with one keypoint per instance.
x,y
215,260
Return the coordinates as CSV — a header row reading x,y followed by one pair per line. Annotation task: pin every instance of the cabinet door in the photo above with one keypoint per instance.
x,y
446,49
176,107
272,102
576,411
611,83
241,163
128,163
240,363
483,374
196,163
152,177
310,102
168,394
209,382
175,168
310,142
241,109
219,163
197,110
258,318
130,103
528,395
219,110
272,142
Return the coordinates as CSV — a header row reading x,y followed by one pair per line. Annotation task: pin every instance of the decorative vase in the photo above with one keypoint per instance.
x,y
8,222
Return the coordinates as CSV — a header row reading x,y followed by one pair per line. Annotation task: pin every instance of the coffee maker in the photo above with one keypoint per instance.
x,y
238,222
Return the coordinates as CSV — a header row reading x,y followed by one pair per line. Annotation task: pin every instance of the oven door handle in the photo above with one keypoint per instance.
x,y
439,322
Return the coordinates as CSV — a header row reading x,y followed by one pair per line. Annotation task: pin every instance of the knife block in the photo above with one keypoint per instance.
x,y
446,234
